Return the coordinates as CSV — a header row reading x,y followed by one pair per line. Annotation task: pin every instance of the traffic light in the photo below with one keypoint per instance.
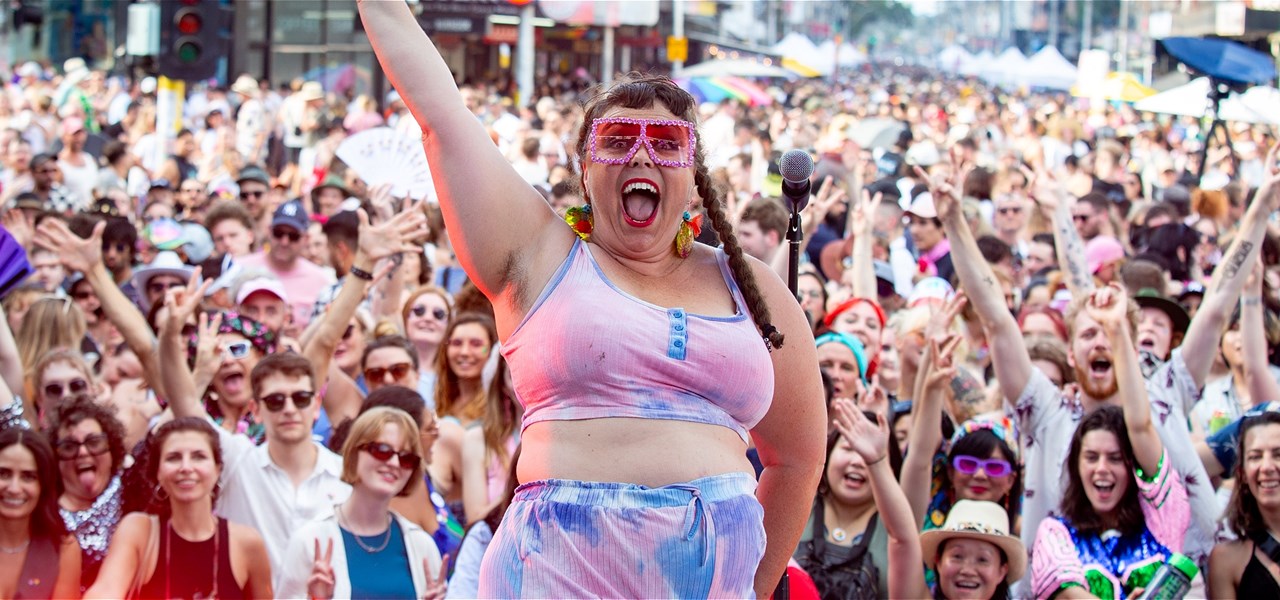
x,y
193,38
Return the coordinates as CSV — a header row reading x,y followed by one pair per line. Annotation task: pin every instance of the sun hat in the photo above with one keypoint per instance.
x,y
311,90
165,263
977,520
245,86
931,290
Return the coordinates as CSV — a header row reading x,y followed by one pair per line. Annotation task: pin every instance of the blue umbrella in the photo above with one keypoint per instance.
x,y
1221,59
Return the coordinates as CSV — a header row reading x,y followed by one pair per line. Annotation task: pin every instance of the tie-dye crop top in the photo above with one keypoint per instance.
x,y
588,350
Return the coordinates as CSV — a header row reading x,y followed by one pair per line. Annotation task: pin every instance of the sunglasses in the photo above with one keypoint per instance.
x,y
397,371
53,391
285,232
117,246
993,467
383,452
82,295
237,350
1011,210
275,402
157,287
438,313
97,445
1081,218
615,141
252,194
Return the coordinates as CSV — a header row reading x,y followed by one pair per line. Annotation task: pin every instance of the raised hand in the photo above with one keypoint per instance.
x,y
872,397
828,196
862,217
382,201
941,320
209,356
1109,306
941,365
75,253
394,235
869,440
1270,188
436,586
320,583
16,224
182,303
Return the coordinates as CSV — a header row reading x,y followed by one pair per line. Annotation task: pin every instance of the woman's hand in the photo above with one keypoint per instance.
x,y
436,586
869,440
183,302
209,356
862,217
320,583
941,365
394,235
75,253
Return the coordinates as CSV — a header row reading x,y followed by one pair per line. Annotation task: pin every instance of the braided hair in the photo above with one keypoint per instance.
x,y
638,90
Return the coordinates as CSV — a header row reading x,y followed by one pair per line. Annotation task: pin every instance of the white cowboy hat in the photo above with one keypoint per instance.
x,y
311,90
977,520
165,263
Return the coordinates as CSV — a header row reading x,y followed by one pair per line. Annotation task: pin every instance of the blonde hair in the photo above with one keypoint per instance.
x,y
367,427
51,322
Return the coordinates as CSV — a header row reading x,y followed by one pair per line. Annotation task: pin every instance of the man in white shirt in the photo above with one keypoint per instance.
x,y
79,168
252,127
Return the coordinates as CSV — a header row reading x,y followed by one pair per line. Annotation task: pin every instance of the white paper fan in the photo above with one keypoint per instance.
x,y
381,155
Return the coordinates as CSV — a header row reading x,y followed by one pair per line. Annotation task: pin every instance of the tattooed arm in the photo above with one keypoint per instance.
x,y
1200,345
968,397
1070,247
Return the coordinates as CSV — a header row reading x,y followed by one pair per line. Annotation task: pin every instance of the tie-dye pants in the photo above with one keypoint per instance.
x,y
577,539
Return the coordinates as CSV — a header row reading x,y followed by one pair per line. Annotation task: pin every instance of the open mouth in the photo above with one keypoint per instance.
x,y
1100,367
1104,488
233,383
1146,343
968,585
855,478
640,199
1270,484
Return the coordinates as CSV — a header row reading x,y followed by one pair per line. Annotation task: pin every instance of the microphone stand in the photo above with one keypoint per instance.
x,y
794,235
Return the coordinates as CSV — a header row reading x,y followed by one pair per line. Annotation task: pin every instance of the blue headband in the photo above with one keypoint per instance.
x,y
850,342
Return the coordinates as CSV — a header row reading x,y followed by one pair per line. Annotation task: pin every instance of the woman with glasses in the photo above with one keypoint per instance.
x,y
50,323
179,548
40,559
224,352
626,341
89,443
364,549
426,316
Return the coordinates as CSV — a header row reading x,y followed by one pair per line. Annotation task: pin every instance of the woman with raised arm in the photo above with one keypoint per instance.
x,y
643,359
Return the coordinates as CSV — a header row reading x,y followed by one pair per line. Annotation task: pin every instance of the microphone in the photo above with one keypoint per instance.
x,y
796,166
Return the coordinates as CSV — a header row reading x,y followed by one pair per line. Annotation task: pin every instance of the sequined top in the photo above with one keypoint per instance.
x,y
11,416
1112,566
93,527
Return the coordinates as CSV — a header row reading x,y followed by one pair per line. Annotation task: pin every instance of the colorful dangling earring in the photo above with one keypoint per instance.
x,y
580,221
690,228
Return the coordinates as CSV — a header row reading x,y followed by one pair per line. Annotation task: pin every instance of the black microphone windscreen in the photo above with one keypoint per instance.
x,y
795,166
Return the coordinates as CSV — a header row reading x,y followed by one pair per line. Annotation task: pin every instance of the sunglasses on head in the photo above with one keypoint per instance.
x,y
97,445
275,402
397,371
993,467
54,391
286,232
421,309
615,141
383,452
237,350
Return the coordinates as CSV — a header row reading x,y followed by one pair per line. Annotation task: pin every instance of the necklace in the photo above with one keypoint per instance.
x,y
168,565
838,534
386,539
15,549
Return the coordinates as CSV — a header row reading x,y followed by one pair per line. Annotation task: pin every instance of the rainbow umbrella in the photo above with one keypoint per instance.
x,y
757,96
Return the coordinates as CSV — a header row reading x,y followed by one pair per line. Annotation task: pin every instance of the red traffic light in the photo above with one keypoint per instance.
x,y
189,24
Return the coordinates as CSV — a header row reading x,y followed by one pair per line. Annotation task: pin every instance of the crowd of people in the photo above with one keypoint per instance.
x,y
1031,353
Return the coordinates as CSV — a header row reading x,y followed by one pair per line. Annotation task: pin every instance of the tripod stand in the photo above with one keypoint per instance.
x,y
1218,91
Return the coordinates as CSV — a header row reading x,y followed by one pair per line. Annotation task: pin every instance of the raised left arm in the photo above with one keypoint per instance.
x,y
1200,345
1109,307
790,438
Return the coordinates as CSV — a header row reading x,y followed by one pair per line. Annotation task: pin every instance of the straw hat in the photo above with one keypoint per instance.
x,y
982,521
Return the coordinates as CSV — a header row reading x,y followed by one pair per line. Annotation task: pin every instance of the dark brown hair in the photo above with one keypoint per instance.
x,y
638,90
1243,516
82,407
45,520
155,455
287,363
1076,507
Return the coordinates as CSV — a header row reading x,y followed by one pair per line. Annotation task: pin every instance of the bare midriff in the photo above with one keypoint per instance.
x,y
649,452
